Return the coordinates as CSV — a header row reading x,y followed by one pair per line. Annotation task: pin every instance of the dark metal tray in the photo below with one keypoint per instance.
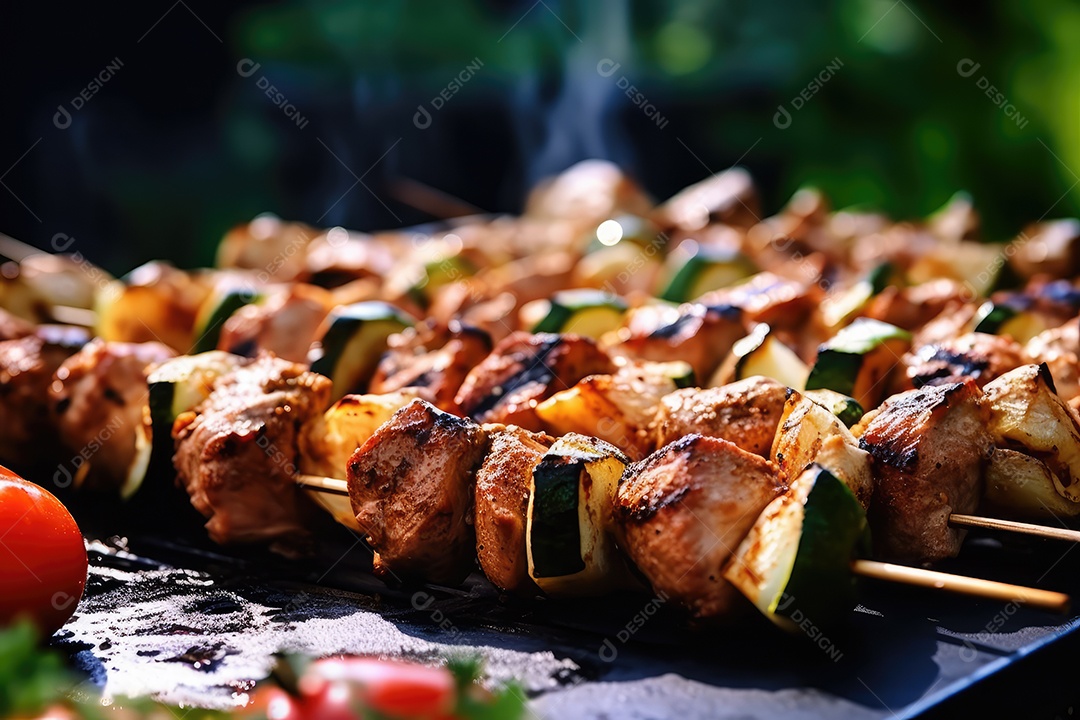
x,y
169,614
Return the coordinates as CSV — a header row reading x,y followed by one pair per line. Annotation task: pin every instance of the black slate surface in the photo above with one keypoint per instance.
x,y
168,614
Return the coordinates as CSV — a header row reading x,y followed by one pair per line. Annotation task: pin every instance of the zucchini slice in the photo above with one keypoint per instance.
x,y
810,433
846,409
177,386
213,313
1006,319
705,270
839,310
585,311
353,339
761,353
858,360
617,408
569,531
795,564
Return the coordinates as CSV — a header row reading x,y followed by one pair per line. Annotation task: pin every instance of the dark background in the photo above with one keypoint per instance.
x,y
177,146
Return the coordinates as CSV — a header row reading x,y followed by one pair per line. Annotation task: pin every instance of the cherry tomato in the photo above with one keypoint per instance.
x,y
396,689
42,556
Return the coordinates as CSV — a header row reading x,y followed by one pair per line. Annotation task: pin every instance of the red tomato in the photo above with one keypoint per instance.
x,y
397,689
42,556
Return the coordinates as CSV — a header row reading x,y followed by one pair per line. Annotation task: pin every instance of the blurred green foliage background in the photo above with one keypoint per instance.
x,y
900,124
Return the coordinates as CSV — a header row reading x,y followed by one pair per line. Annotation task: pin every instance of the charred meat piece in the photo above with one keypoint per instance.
x,y
522,371
978,356
746,413
411,486
683,510
927,450
695,333
436,366
502,503
98,400
236,454
27,365
286,324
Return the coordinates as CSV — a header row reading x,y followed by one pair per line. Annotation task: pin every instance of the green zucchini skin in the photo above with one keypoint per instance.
x,y
556,535
353,342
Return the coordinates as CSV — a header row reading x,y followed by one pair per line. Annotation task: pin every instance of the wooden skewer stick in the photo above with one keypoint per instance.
x,y
978,587
1043,531
333,486
990,589
17,250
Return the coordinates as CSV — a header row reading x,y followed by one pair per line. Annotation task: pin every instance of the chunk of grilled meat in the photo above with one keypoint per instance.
x,y
502,503
434,364
236,454
524,370
745,412
27,365
927,449
98,400
978,356
285,325
411,486
13,327
1059,349
684,509
912,307
694,333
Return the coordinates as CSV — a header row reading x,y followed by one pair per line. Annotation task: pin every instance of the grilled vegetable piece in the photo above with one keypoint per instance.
x,y
570,533
587,312
236,453
1019,485
618,408
353,338
99,400
502,504
154,302
411,486
430,365
1059,349
328,442
684,508
840,309
1027,414
177,386
858,360
215,310
703,270
693,333
524,370
979,356
796,561
845,408
746,413
808,433
1007,319
761,353
927,451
